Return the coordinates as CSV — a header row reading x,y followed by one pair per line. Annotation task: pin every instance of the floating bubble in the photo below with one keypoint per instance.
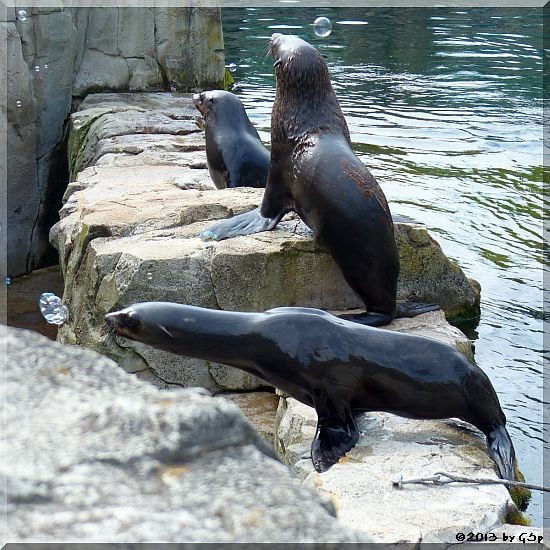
x,y
22,15
208,236
52,309
8,280
77,123
18,103
322,27
37,68
45,65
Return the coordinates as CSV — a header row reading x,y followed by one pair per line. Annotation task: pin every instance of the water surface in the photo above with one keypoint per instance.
x,y
445,108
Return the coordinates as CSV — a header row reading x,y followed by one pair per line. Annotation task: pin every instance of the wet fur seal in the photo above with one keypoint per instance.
x,y
340,368
235,154
314,172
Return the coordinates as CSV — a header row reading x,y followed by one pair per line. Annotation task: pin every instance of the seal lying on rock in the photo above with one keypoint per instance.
x,y
314,172
234,151
338,367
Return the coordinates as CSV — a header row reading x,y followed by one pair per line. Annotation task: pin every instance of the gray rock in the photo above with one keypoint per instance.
x,y
78,50
95,455
100,131
360,485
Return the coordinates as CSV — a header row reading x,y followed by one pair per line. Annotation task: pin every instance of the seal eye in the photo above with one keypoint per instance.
x,y
277,63
211,99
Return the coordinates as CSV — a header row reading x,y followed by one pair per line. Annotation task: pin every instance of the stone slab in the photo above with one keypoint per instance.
x,y
94,455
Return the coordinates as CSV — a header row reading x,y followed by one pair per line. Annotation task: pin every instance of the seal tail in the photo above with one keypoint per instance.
x,y
412,309
501,450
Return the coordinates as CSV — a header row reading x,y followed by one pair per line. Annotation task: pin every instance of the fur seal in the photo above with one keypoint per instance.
x,y
234,151
338,367
314,172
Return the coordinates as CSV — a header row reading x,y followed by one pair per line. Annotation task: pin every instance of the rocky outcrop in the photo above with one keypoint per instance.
x,y
390,446
94,455
55,56
129,233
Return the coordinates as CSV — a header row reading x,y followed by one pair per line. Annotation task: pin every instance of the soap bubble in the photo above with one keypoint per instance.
x,y
52,309
37,68
8,280
77,123
22,15
45,65
208,236
322,27
18,103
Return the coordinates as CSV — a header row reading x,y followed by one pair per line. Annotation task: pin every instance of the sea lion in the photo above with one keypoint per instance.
x,y
338,367
314,172
234,151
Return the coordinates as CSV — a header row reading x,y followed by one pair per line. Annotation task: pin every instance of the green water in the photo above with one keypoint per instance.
x,y
445,108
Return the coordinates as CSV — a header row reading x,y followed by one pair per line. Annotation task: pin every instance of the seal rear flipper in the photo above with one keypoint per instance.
x,y
501,450
412,309
371,319
332,442
243,224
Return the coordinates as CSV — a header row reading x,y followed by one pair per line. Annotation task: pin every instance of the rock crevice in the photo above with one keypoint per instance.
x,y
57,56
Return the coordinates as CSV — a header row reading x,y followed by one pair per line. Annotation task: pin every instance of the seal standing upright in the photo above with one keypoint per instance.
x,y
339,367
234,151
314,172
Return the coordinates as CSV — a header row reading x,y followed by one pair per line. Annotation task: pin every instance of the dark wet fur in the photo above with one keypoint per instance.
x,y
119,325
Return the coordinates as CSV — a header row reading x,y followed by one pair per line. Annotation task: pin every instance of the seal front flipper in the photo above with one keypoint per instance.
x,y
501,450
336,434
275,205
242,224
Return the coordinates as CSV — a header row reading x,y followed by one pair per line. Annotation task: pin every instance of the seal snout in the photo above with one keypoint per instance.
x,y
197,99
122,322
114,320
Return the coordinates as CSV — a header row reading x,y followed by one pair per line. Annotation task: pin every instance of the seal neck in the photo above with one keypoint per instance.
x,y
297,113
218,336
